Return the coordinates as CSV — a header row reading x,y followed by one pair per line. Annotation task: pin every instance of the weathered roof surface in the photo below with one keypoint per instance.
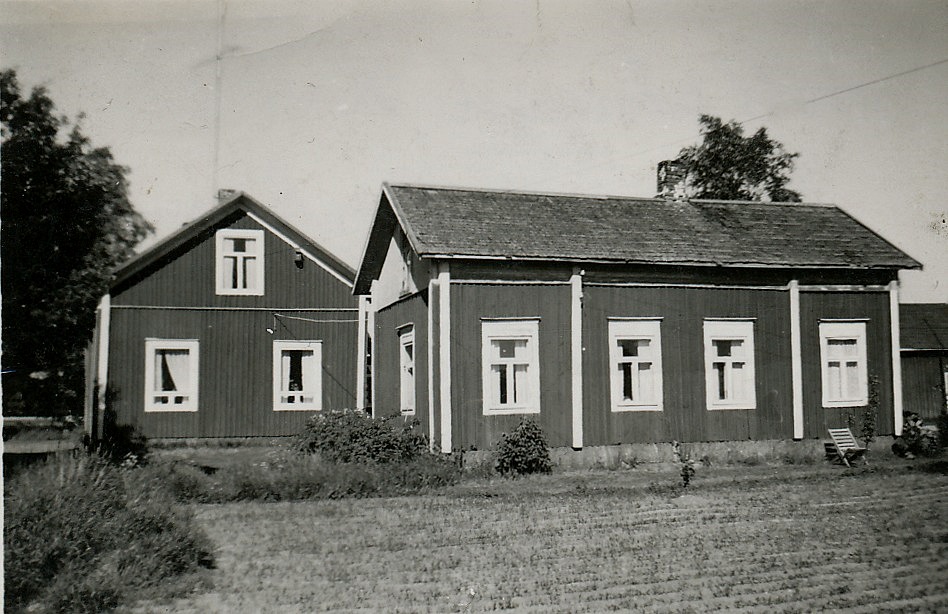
x,y
481,223
239,202
449,222
923,326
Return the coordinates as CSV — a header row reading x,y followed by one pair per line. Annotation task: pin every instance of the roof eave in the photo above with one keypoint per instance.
x,y
750,264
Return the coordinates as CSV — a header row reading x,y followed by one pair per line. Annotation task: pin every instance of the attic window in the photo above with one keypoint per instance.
x,y
239,263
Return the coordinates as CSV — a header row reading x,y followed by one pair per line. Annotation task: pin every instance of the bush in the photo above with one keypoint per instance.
x,y
523,451
917,438
354,437
81,535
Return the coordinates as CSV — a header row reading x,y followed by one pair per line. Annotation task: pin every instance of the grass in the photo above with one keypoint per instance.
x,y
781,539
81,535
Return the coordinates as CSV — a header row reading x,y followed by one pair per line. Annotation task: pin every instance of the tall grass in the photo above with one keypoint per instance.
x,y
292,477
81,535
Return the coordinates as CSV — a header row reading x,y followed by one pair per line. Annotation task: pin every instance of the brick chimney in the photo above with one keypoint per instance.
x,y
671,179
225,194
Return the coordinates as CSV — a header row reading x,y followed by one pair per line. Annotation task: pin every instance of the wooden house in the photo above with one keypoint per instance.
x,y
924,337
237,325
622,320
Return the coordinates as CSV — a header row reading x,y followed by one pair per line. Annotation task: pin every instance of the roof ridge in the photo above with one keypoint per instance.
x,y
713,201
522,192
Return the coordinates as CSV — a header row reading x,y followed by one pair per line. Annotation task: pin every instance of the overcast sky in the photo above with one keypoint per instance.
x,y
309,106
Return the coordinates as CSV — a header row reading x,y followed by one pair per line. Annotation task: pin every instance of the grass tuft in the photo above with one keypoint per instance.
x,y
81,535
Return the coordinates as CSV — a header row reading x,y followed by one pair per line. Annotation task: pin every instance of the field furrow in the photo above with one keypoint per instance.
x,y
741,541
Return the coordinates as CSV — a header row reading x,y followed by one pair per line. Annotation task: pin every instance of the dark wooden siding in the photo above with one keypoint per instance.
x,y
816,306
470,303
923,383
187,278
685,416
389,322
235,369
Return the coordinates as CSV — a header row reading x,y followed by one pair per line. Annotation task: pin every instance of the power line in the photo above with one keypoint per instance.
x,y
804,103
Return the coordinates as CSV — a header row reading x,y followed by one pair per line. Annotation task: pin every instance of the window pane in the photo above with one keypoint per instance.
x,y
506,348
294,366
852,380
230,271
841,348
626,369
172,372
722,347
510,348
250,272
737,381
722,388
238,245
520,388
834,375
630,347
645,381
501,371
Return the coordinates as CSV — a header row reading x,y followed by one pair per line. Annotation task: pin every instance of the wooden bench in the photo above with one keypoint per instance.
x,y
846,447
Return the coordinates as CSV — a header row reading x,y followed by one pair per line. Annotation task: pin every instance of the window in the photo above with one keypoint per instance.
x,y
635,354
239,261
843,364
729,364
171,375
511,366
406,363
297,375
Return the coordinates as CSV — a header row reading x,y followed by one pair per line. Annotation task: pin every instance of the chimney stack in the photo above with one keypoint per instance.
x,y
225,194
671,179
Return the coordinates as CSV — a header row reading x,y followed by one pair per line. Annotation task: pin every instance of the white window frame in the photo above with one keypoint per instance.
x,y
844,331
257,236
152,347
729,330
406,371
315,372
635,330
519,329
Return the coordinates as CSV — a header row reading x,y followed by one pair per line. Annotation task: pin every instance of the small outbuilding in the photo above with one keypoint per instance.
x,y
616,320
236,325
925,358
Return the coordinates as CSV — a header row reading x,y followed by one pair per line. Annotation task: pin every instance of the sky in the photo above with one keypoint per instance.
x,y
310,106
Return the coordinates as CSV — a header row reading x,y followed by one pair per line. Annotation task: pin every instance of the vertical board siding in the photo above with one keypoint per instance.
x,y
469,304
923,384
685,416
235,369
187,280
816,306
388,324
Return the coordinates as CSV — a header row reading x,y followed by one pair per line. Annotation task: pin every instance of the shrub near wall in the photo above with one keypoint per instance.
x,y
81,535
339,454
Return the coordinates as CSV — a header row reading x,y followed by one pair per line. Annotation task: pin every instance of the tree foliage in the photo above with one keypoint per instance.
x,y
66,223
727,165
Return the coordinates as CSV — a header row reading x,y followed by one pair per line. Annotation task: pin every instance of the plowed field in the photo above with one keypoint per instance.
x,y
748,539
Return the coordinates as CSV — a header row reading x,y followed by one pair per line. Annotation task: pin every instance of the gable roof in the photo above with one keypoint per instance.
x,y
465,223
923,326
239,202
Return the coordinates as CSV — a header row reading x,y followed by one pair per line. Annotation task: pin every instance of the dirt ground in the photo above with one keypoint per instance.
x,y
791,538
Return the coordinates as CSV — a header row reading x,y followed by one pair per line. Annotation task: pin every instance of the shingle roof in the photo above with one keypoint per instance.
x,y
448,222
923,326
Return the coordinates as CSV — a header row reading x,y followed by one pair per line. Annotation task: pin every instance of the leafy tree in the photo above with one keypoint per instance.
x,y
730,166
66,223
